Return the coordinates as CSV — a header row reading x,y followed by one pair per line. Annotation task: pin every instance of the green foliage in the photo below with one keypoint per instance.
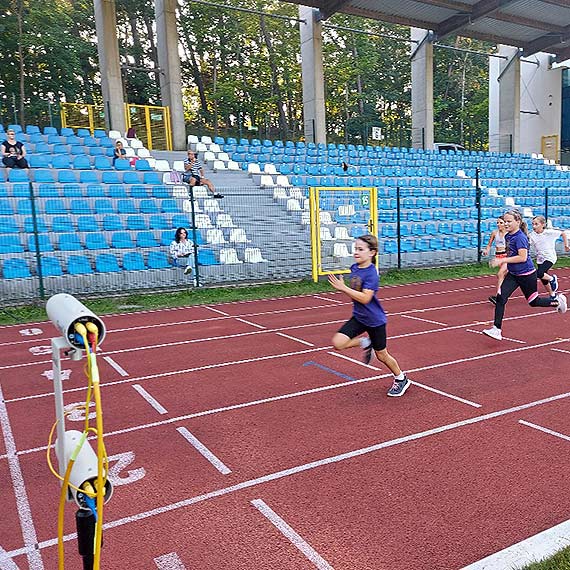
x,y
241,69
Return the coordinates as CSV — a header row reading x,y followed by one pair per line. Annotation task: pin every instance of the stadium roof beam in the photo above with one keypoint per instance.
x,y
456,23
331,8
547,41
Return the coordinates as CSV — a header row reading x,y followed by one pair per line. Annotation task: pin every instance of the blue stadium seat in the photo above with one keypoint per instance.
x,y
15,268
78,265
106,263
102,163
133,261
82,163
104,206
55,206
44,243
122,240
161,192
206,257
126,206
148,207
81,206
83,133
24,207
157,260
159,222
10,244
130,177
95,191
64,176
151,177
39,161
18,175
9,225
166,237
87,224
66,132
116,191
111,177
136,222
95,241
50,266
88,177
48,191
138,191
41,225
169,206
122,164
72,191
180,221
99,133
69,242
146,239
112,223
61,224
143,165
32,129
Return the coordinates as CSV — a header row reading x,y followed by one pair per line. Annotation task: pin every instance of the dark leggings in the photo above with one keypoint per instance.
x,y
543,268
527,283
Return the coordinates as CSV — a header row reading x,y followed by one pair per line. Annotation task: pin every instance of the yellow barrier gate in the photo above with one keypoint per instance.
x,y
82,116
151,124
550,147
354,211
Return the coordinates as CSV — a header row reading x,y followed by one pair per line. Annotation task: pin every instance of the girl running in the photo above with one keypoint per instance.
x,y
367,313
499,236
521,273
544,242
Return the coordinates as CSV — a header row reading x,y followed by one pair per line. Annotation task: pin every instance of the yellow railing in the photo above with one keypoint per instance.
x,y
365,198
151,124
82,116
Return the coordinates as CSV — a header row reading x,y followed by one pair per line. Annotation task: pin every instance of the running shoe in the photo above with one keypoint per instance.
x,y
493,299
188,270
218,196
554,283
399,387
562,303
494,332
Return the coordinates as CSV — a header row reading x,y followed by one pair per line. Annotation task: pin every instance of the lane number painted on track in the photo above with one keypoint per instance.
x,y
40,350
122,461
78,413
65,374
31,332
169,562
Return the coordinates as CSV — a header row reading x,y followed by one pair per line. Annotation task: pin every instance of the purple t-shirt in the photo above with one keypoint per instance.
x,y
372,314
516,241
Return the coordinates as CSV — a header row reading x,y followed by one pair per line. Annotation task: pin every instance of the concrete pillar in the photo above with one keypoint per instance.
x,y
313,76
169,62
505,101
422,89
109,64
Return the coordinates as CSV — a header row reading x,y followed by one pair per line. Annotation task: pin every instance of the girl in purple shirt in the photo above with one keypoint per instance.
x,y
367,313
521,273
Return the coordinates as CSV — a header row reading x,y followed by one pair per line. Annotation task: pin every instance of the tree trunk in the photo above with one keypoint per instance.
x,y
195,69
20,16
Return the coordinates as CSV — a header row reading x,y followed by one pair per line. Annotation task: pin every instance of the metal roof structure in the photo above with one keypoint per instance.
x,y
531,25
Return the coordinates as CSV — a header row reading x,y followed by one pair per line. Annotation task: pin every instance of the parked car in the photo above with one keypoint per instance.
x,y
448,146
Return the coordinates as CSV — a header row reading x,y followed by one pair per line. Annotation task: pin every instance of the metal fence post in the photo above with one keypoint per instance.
x,y
193,216
37,242
398,226
546,203
478,206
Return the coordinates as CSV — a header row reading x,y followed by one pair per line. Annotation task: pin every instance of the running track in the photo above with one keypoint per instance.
x,y
239,440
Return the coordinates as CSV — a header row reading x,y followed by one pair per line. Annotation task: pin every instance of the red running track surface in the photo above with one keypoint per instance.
x,y
307,463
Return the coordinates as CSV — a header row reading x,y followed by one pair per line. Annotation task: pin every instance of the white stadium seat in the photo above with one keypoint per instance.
x,y
253,255
229,256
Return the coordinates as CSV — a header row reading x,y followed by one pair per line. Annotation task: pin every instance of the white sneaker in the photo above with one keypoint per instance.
x,y
494,332
187,269
562,303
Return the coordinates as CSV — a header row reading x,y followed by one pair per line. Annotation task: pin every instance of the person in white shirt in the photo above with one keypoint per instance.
x,y
181,249
543,241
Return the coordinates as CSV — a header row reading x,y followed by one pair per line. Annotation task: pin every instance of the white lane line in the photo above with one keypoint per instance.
x,y
545,430
345,357
294,327
295,339
154,403
560,350
211,309
418,384
250,323
288,532
304,467
118,368
504,338
532,549
201,448
6,562
424,320
21,496
330,300
169,562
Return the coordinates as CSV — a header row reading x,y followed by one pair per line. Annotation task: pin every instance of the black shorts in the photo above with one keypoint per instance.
x,y
377,335
543,268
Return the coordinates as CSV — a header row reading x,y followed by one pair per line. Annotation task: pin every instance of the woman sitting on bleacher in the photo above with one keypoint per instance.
x,y
181,249
13,152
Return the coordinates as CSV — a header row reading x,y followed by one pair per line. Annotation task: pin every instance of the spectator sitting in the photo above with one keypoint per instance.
x,y
194,174
13,152
181,249
119,152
